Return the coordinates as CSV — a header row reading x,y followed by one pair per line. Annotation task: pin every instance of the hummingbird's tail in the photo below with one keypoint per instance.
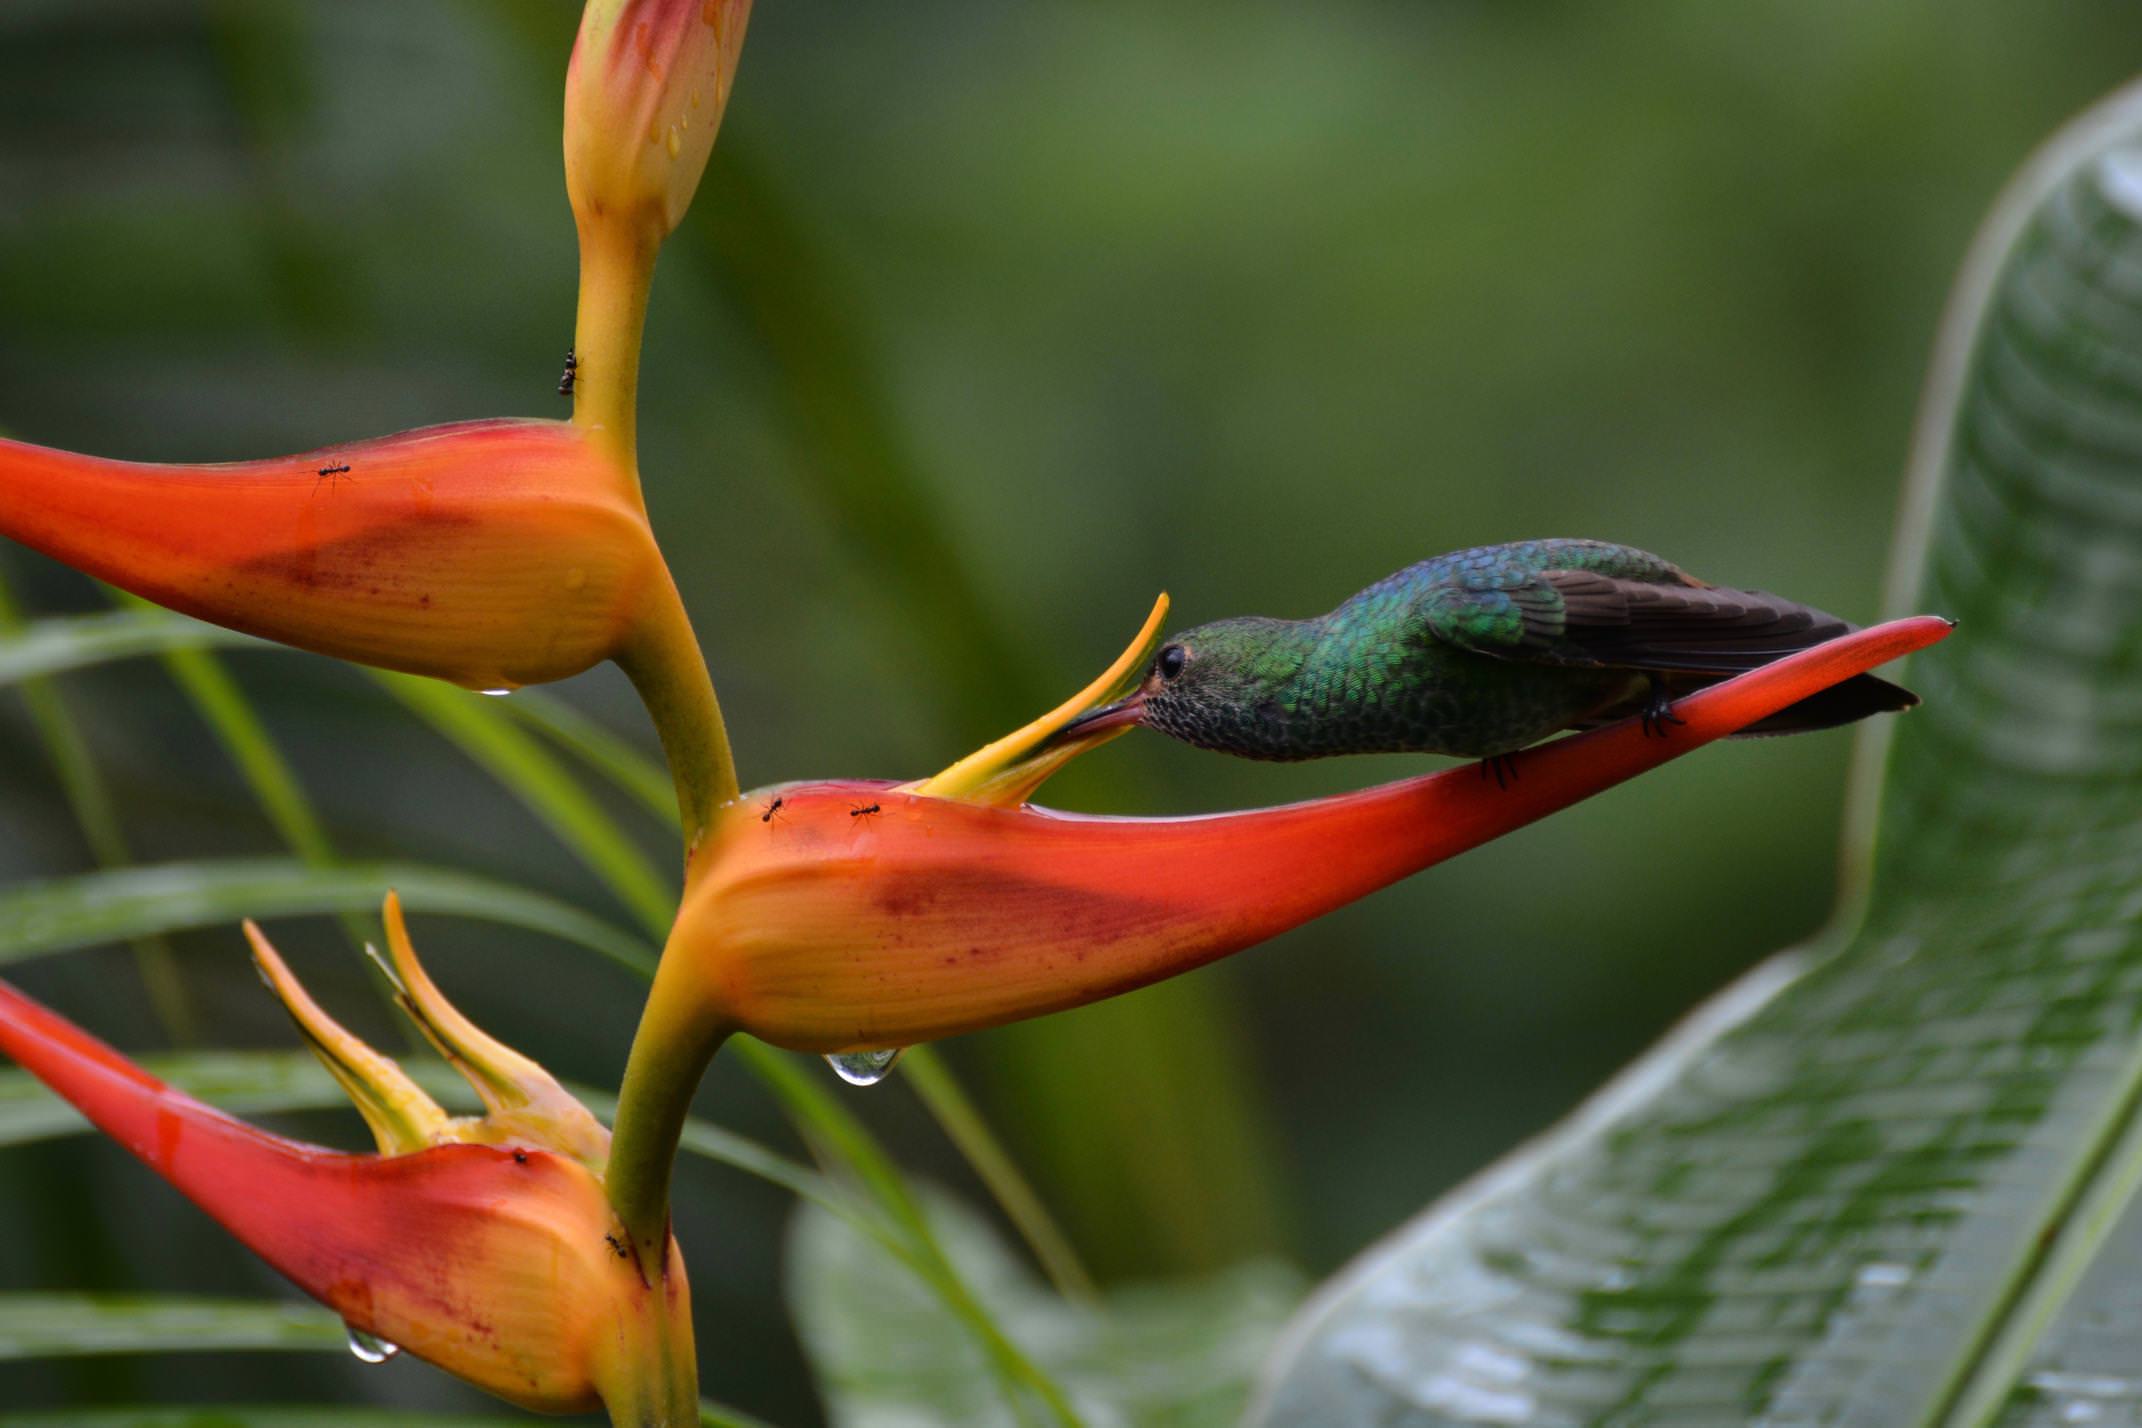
x,y
1844,703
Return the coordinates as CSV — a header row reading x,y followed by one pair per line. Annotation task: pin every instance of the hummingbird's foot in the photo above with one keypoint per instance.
x,y
1501,767
1658,712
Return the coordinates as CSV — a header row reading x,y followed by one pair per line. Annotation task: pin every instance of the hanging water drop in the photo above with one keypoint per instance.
x,y
864,1068
495,693
370,1348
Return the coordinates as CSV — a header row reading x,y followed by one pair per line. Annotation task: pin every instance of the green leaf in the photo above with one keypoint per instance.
x,y
888,1352
58,643
524,768
630,768
1889,1180
96,813
47,1326
46,917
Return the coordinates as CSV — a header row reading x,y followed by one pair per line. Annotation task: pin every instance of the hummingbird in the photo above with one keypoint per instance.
x,y
1478,653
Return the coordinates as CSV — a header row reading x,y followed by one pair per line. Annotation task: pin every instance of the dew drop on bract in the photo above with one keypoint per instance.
x,y
370,1348
864,1068
496,693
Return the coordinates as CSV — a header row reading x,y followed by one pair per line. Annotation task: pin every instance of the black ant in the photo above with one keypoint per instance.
x,y
617,1244
767,814
332,475
860,812
572,369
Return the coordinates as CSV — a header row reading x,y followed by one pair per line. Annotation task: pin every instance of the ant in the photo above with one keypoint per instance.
x,y
767,815
617,1244
332,475
572,369
860,812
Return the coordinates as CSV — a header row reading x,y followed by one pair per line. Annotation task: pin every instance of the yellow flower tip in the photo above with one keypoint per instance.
x,y
523,1103
401,1117
1008,771
644,96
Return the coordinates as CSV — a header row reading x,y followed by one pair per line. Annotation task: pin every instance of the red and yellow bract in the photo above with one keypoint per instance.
x,y
489,553
503,1264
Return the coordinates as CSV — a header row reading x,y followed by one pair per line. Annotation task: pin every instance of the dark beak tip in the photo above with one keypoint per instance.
x,y
1121,714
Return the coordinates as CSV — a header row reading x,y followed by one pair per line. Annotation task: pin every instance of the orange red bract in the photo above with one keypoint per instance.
x,y
498,1264
489,553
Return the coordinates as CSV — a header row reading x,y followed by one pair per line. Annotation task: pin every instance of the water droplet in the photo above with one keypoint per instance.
x,y
1883,1276
674,143
864,1068
370,1348
497,693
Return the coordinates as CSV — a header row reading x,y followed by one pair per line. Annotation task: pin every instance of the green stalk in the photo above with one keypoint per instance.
x,y
666,666
670,1053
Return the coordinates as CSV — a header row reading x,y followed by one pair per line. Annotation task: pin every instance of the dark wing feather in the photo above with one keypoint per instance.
x,y
1584,618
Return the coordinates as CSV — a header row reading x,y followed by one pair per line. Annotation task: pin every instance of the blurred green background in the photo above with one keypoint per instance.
x,y
990,321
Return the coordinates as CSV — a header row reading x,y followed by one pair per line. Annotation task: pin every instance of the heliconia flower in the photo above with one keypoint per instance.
x,y
644,96
489,553
485,1245
845,916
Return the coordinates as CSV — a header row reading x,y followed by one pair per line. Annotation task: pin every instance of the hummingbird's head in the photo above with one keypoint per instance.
x,y
1213,686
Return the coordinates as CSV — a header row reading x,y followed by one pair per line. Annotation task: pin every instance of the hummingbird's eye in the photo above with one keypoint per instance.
x,y
1171,661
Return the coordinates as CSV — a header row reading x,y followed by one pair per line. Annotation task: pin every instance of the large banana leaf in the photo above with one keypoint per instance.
x,y
1889,1180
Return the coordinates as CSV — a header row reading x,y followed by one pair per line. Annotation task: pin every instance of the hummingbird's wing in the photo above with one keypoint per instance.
x,y
1591,620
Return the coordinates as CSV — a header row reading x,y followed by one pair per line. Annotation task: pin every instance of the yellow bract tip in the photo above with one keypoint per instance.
x,y
1007,771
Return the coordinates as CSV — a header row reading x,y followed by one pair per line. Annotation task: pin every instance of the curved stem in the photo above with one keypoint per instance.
x,y
664,662
616,270
671,1050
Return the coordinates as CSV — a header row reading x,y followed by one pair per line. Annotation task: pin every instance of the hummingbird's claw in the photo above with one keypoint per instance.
x,y
1658,712
1501,767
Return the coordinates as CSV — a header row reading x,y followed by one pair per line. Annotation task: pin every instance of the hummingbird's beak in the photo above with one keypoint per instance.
x,y
1125,713
1007,771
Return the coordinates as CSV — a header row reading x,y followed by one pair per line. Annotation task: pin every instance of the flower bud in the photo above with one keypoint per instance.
x,y
491,553
644,96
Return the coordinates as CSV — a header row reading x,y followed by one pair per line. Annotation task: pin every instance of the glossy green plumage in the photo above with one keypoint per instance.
x,y
1481,652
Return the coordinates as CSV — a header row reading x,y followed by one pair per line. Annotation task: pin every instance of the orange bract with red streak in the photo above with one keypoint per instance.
x,y
489,553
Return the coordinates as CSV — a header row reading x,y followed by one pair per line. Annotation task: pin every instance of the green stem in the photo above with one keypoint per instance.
x,y
670,1052
616,270
666,666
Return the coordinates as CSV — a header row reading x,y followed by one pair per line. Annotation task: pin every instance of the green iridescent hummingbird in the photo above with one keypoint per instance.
x,y
1480,652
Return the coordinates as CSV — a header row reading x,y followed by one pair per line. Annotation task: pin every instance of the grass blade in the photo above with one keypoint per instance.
x,y
525,769
50,1326
634,772
55,916
89,799
56,644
